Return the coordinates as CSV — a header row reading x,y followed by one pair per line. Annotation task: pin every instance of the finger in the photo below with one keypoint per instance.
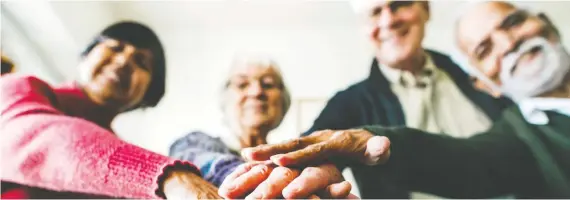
x,y
263,152
377,150
352,196
336,191
314,197
311,154
240,170
246,182
311,180
271,188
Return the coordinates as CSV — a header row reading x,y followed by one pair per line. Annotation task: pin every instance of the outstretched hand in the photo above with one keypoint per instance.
x,y
356,144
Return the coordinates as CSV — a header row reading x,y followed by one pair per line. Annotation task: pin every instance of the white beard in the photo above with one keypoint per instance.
x,y
544,73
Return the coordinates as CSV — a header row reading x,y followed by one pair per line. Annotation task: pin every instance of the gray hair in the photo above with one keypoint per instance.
x,y
262,61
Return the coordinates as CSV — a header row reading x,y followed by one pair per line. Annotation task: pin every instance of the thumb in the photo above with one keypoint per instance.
x,y
377,150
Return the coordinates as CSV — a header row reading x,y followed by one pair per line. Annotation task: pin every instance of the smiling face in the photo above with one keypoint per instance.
x,y
505,43
254,98
116,74
396,28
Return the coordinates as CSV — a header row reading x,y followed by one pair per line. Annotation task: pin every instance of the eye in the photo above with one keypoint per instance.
x,y
115,46
268,83
483,50
239,84
376,11
143,61
483,53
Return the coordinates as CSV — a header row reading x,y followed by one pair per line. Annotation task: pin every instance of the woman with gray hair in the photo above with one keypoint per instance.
x,y
254,101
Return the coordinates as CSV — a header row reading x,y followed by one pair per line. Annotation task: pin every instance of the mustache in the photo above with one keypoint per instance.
x,y
532,46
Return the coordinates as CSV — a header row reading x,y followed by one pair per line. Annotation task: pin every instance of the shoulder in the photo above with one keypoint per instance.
x,y
350,93
504,124
437,55
15,83
198,140
17,91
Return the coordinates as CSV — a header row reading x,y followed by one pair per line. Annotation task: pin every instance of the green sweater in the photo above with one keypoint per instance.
x,y
513,157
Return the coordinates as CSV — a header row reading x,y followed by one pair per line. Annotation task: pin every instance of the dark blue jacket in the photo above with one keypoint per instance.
x,y
372,102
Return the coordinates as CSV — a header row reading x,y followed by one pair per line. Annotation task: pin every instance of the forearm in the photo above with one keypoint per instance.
x,y
43,147
66,154
449,167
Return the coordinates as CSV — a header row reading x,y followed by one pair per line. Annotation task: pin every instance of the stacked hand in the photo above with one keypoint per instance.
x,y
273,173
262,180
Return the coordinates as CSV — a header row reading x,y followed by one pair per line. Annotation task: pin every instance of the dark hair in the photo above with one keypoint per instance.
x,y
7,66
139,36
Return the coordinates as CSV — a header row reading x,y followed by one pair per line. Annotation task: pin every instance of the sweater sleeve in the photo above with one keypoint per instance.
x,y
210,155
483,166
42,147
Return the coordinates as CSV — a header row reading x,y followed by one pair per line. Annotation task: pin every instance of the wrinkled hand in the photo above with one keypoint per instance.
x,y
187,185
265,181
356,144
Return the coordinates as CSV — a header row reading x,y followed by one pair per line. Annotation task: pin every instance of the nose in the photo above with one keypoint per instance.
x,y
505,42
254,90
122,58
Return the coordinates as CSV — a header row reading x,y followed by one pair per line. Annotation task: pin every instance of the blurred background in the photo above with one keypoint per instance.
x,y
319,45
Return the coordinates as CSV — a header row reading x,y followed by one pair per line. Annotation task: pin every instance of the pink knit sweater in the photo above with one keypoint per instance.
x,y
57,139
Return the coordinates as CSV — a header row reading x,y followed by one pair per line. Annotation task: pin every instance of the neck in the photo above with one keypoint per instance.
x,y
561,92
98,112
104,105
414,64
252,137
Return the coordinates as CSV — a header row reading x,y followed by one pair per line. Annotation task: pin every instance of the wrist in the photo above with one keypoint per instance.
x,y
172,172
179,177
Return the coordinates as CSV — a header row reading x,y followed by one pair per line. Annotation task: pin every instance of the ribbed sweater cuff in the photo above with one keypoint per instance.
x,y
145,168
177,165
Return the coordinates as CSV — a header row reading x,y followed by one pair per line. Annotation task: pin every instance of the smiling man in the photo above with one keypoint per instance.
x,y
408,86
512,52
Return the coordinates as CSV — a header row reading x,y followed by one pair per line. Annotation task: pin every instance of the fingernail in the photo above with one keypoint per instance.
x,y
253,196
291,192
278,156
231,187
277,159
246,152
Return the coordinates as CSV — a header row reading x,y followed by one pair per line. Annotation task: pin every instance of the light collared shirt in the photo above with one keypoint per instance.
x,y
533,109
432,102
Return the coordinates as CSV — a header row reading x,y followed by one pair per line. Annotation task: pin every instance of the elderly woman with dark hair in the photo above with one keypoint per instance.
x,y
254,100
57,141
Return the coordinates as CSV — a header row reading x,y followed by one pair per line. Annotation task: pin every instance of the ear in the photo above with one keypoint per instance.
x,y
426,6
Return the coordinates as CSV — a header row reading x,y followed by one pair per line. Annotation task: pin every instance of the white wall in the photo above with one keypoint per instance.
x,y
315,63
